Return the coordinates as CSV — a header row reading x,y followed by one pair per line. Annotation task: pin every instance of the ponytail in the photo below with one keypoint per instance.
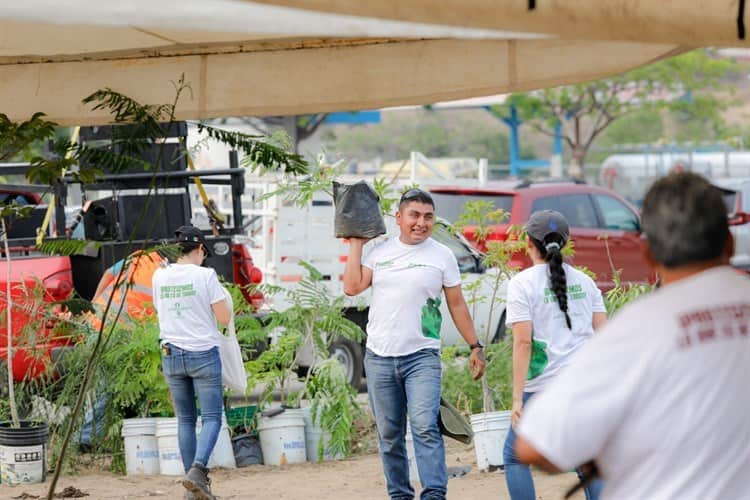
x,y
550,250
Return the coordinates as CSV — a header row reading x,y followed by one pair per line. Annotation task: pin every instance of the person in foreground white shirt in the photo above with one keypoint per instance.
x,y
659,398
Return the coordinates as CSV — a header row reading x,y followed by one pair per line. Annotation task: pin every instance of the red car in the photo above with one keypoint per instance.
x,y
605,228
33,355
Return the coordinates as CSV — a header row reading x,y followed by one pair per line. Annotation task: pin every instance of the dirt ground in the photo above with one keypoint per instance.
x,y
359,478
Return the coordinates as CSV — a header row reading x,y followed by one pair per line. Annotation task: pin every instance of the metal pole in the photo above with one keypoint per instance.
x,y
483,171
61,196
238,188
513,122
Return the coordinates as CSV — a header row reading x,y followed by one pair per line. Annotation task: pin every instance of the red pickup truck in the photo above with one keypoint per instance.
x,y
605,229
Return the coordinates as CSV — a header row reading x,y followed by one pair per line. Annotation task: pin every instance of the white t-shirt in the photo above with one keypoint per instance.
x,y
660,397
530,298
183,295
407,286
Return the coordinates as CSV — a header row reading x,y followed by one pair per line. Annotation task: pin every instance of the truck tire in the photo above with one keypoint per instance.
x,y
351,356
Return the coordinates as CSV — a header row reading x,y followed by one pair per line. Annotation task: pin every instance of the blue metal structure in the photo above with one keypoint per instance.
x,y
354,117
516,163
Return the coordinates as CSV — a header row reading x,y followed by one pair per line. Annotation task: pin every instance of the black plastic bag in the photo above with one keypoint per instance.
x,y
247,450
357,211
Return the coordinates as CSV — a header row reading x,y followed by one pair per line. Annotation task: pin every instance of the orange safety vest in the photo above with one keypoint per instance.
x,y
134,289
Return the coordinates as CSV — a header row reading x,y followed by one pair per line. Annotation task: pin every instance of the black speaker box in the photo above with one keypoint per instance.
x,y
118,218
164,214
25,227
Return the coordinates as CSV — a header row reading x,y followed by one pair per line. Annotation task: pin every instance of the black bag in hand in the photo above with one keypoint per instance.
x,y
357,211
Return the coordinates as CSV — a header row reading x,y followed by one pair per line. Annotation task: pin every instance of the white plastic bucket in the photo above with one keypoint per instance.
x,y
222,454
282,438
23,453
490,430
313,435
413,470
141,446
170,462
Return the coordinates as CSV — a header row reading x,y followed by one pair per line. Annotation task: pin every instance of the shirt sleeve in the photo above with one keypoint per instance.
x,y
571,421
368,259
597,301
451,274
518,306
215,290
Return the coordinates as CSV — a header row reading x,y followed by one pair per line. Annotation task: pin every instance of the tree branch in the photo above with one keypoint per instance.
x,y
310,128
604,112
596,132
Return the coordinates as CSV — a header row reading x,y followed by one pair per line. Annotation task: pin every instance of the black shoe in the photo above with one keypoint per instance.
x,y
196,481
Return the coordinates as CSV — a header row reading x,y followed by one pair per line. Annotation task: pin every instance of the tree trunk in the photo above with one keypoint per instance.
x,y
575,169
290,126
11,388
487,403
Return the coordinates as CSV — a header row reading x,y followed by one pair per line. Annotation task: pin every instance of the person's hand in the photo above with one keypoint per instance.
x,y
516,412
476,363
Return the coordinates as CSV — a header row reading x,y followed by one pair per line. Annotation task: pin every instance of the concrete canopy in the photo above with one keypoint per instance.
x,y
256,58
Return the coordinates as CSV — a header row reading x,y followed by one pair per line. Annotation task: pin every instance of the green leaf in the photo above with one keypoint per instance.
x,y
15,138
125,109
258,154
14,211
77,306
69,247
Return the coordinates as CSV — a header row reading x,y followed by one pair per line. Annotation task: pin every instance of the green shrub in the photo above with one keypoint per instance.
x,y
465,393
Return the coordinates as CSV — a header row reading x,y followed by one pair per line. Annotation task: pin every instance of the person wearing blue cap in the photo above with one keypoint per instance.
x,y
189,300
552,309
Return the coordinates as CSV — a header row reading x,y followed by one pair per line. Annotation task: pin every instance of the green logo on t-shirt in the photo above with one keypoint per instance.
x,y
385,263
431,318
176,291
575,292
539,359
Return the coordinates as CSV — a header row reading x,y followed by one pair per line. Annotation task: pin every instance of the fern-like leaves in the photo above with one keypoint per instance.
x,y
68,247
257,152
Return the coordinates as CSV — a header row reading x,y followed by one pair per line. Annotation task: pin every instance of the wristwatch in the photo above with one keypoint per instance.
x,y
476,345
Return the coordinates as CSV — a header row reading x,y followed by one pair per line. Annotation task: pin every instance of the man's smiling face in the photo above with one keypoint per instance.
x,y
416,220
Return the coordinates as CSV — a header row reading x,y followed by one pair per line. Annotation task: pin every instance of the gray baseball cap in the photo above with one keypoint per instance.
x,y
545,222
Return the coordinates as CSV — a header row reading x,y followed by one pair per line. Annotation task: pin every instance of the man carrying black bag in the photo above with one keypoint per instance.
x,y
408,275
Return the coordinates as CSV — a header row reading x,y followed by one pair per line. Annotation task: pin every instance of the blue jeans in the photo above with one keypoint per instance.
x,y
188,373
518,476
397,385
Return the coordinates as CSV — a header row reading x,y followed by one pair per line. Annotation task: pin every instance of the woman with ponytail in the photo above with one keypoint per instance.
x,y
552,309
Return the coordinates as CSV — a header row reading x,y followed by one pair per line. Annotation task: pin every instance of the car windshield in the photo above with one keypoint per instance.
x,y
730,199
449,206
467,262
